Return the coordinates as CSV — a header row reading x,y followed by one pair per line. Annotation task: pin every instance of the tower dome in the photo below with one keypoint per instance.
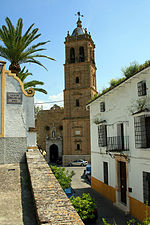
x,y
78,30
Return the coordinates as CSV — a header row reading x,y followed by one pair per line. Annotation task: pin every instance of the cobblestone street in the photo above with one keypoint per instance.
x,y
105,207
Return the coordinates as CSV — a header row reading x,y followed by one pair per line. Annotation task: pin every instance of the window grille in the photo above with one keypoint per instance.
x,y
102,135
142,131
141,88
102,107
105,171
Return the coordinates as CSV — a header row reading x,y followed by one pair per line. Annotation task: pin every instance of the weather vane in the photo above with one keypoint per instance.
x,y
79,15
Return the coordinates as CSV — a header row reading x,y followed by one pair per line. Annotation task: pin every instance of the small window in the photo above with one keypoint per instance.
x,y
93,81
77,80
47,128
81,54
105,170
77,102
72,55
60,127
102,107
141,88
78,146
102,135
77,132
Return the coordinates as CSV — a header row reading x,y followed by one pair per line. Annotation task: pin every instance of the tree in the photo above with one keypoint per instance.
x,y
17,47
23,74
63,176
37,109
130,70
85,207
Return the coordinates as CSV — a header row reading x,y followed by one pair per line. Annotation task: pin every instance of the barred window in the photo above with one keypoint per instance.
x,y
142,131
102,135
105,172
141,88
102,107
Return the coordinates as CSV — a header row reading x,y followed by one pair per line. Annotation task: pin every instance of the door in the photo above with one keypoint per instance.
x,y
53,153
123,182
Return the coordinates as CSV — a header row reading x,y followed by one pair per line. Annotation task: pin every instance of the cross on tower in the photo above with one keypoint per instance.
x,y
79,15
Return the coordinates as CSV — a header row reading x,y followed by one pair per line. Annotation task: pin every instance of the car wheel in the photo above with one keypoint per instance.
x,y
70,164
82,164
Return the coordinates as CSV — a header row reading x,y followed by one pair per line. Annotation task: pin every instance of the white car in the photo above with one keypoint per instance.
x,y
79,162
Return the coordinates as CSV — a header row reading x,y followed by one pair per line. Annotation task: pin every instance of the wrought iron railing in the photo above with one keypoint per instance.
x,y
118,143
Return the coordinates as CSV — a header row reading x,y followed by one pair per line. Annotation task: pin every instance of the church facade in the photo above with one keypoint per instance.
x,y
65,133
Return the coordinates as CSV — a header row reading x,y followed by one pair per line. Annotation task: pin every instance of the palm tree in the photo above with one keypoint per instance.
x,y
23,74
17,47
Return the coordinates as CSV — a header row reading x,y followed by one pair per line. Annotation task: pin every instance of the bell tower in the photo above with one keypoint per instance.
x,y
80,87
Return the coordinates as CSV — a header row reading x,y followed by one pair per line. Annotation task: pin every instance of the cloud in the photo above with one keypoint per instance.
x,y
53,99
58,97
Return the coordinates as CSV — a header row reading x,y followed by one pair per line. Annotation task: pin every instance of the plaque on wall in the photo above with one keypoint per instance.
x,y
14,98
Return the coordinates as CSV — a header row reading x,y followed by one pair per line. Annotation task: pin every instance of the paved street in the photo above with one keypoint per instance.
x,y
105,207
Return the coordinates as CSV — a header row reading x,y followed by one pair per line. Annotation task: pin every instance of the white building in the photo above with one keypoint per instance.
x,y
120,144
17,125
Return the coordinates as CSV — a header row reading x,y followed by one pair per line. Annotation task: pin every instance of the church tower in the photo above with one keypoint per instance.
x,y
80,87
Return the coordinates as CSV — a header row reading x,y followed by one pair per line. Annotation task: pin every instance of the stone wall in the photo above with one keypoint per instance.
x,y
52,205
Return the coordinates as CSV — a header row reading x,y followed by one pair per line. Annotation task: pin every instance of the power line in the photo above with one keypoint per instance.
x,y
36,103
47,102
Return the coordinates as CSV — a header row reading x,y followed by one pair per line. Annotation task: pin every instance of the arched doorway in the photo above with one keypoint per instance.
x,y
53,153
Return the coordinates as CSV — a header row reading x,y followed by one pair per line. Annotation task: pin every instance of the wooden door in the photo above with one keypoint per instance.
x,y
123,182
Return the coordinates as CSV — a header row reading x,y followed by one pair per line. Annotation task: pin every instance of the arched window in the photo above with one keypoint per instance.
x,y
81,54
77,80
72,55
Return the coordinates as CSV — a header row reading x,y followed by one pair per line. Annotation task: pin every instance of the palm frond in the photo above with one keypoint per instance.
x,y
33,83
41,90
17,47
24,74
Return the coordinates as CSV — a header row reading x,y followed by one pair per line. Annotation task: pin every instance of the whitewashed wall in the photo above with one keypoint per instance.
x,y
17,120
118,104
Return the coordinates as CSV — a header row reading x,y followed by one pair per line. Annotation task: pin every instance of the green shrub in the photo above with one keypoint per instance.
x,y
84,205
63,176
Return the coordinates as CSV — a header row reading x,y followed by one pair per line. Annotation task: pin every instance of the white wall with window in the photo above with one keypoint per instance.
x,y
120,142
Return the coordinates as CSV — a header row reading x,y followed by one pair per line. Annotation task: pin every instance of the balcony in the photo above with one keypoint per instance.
x,y
118,144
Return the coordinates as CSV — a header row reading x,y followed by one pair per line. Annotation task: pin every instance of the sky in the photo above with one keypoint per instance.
x,y
119,29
